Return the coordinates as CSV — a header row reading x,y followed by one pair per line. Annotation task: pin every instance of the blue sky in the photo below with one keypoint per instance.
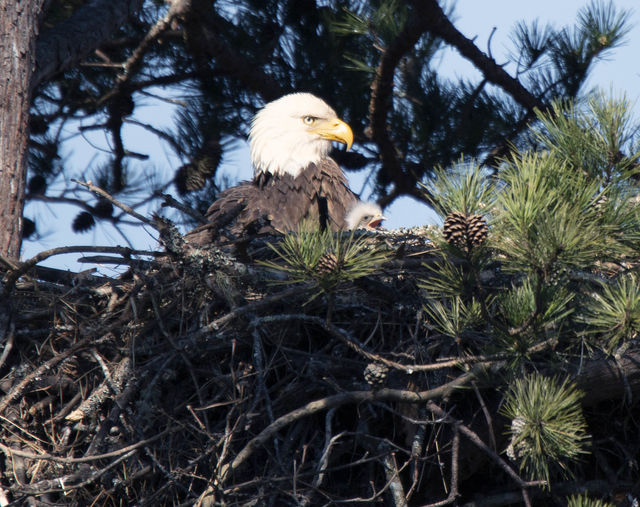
x,y
474,18
477,18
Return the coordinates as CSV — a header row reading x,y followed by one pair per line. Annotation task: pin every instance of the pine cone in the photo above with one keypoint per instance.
x,y
328,263
103,208
464,230
455,227
477,229
376,374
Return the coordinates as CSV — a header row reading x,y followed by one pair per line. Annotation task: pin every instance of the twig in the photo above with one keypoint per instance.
x,y
329,441
258,357
349,397
127,209
19,388
8,344
86,459
168,200
477,441
346,337
487,416
243,310
113,384
178,8
13,276
67,483
118,261
455,456
177,147
417,447
393,479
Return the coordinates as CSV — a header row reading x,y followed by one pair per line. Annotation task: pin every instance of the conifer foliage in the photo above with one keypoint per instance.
x,y
431,371
492,360
376,62
555,281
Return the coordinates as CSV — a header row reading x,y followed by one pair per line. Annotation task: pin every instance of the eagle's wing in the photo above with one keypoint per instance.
x,y
319,193
331,184
236,210
280,203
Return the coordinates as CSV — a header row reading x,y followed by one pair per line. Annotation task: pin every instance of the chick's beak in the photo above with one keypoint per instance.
x,y
335,130
376,223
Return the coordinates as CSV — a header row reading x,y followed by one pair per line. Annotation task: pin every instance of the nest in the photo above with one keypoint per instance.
x,y
197,379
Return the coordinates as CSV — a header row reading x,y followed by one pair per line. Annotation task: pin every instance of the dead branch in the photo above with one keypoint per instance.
x,y
478,442
69,482
455,457
112,385
19,388
255,397
393,478
127,209
24,267
338,400
86,459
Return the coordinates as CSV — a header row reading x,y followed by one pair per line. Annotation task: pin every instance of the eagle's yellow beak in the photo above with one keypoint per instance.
x,y
334,130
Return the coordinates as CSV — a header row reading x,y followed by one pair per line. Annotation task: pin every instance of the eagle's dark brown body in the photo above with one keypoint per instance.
x,y
279,203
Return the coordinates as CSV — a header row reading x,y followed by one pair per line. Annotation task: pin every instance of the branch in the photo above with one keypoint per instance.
x,y
347,338
478,442
453,495
212,327
439,24
68,482
382,92
13,276
9,451
127,209
202,27
20,387
393,479
178,8
61,199
337,400
130,67
168,200
75,38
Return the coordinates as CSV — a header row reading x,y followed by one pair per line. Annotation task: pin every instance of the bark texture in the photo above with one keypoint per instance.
x,y
18,32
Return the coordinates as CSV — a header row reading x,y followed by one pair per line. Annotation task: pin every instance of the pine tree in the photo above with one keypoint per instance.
x,y
556,278
375,62
496,362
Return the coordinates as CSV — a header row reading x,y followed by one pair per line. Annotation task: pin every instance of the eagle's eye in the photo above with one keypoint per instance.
x,y
309,120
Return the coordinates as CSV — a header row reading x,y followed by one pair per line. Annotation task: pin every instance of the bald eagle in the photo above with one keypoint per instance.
x,y
294,177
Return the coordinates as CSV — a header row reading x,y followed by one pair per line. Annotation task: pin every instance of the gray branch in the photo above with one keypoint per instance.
x,y
73,39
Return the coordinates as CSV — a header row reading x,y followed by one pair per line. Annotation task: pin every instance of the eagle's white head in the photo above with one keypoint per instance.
x,y
290,133
364,215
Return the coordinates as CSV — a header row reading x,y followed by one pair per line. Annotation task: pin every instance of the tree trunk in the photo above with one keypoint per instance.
x,y
18,32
